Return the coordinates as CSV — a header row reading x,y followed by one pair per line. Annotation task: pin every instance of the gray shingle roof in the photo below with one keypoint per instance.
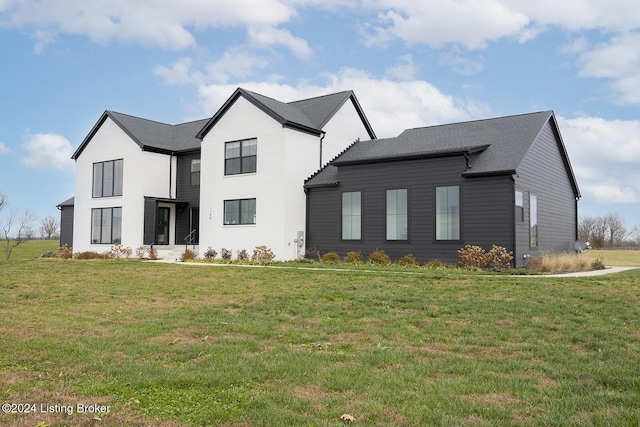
x,y
499,143
151,135
308,115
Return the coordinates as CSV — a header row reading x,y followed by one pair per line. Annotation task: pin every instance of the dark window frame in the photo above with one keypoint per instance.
x,y
247,159
105,185
107,230
399,237
239,217
351,216
519,202
449,237
195,174
534,229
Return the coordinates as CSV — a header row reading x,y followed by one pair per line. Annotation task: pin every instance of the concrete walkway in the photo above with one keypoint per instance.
x,y
607,270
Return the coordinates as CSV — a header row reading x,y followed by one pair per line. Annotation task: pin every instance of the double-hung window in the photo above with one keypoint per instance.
x,y
240,157
448,213
106,225
107,178
397,214
195,172
351,215
241,211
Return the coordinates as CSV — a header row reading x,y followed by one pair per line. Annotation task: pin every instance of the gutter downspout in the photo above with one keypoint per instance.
x,y
170,173
321,140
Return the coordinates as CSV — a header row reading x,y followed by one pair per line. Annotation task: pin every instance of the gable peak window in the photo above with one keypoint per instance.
x,y
240,156
107,178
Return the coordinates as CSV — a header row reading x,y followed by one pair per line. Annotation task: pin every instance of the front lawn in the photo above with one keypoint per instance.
x,y
159,344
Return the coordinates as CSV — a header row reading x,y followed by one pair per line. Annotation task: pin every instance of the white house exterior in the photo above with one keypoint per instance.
x,y
235,181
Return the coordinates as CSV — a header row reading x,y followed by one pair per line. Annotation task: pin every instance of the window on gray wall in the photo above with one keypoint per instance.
x,y
106,225
533,220
241,211
107,178
240,157
448,213
352,215
397,214
195,171
519,206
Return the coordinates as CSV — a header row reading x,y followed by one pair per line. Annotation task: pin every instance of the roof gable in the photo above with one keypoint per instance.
x,y
307,115
150,135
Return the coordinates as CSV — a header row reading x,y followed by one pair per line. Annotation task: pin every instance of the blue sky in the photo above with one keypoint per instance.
x,y
411,63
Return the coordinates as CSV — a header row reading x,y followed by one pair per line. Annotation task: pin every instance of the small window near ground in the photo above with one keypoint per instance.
x,y
106,225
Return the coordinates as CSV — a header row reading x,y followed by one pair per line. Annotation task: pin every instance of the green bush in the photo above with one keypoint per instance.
x,y
378,257
408,260
331,257
353,257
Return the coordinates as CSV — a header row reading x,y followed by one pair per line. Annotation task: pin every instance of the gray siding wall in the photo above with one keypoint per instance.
x,y
66,226
486,209
187,193
544,173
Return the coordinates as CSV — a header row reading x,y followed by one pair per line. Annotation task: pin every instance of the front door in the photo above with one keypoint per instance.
x,y
162,229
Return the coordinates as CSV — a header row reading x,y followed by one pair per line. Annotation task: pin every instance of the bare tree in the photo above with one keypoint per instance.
x,y
49,227
16,229
616,230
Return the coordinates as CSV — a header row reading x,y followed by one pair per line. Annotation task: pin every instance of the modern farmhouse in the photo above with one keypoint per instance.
x,y
233,181
237,181
430,191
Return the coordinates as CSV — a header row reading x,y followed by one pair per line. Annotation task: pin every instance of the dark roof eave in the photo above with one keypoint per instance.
x,y
302,128
397,157
471,174
324,184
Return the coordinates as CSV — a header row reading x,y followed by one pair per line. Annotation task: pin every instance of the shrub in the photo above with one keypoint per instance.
x,y
226,253
142,252
89,255
64,252
378,257
353,257
408,260
242,255
210,253
434,263
188,255
331,257
47,254
499,259
313,253
535,264
262,254
473,256
598,264
153,254
118,251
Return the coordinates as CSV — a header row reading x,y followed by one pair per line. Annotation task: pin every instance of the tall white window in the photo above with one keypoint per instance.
x,y
397,215
448,213
352,215
533,220
107,178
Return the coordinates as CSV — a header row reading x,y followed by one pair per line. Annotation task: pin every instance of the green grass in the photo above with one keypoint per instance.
x,y
615,257
201,345
29,250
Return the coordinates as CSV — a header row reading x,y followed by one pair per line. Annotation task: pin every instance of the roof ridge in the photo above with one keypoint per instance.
x,y
486,119
320,96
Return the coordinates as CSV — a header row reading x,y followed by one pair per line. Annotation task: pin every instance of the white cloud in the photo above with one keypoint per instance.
x,y
235,63
178,73
605,155
471,23
164,23
3,149
47,151
404,69
266,36
618,60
